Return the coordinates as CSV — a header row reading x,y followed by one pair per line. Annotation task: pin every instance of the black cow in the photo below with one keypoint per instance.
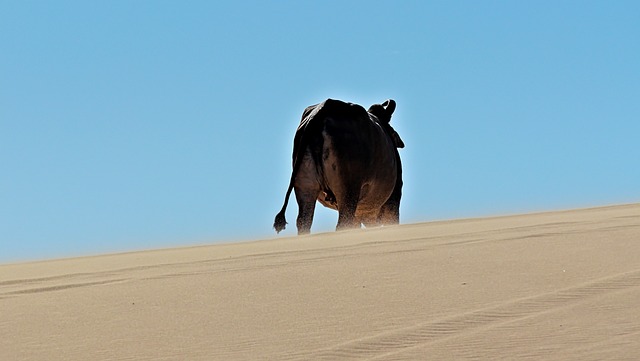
x,y
346,157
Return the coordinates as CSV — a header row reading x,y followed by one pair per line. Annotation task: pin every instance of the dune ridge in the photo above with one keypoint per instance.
x,y
555,286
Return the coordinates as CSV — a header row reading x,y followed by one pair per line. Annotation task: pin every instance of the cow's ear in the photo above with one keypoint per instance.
x,y
389,106
396,139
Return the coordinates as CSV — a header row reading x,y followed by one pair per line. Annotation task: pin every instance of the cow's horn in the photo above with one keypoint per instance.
x,y
390,106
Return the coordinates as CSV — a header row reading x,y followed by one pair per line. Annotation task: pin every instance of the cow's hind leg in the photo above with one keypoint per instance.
x,y
390,213
347,210
306,199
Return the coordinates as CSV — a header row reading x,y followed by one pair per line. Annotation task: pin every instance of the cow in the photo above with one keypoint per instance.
x,y
346,158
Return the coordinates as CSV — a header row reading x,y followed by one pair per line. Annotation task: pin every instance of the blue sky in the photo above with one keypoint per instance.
x,y
129,125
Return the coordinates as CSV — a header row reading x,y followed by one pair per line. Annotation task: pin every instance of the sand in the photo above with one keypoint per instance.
x,y
547,286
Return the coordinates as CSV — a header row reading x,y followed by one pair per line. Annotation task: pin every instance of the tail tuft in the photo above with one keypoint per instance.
x,y
280,222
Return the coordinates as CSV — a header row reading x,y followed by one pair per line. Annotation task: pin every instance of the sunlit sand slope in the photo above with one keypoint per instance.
x,y
549,286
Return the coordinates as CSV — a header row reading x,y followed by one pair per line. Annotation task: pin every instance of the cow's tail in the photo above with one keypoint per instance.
x,y
280,222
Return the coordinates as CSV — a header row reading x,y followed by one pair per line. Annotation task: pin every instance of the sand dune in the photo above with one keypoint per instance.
x,y
548,286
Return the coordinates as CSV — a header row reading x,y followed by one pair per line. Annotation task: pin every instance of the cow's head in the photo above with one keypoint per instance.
x,y
383,112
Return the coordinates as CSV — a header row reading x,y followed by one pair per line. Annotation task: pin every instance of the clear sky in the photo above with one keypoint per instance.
x,y
129,125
